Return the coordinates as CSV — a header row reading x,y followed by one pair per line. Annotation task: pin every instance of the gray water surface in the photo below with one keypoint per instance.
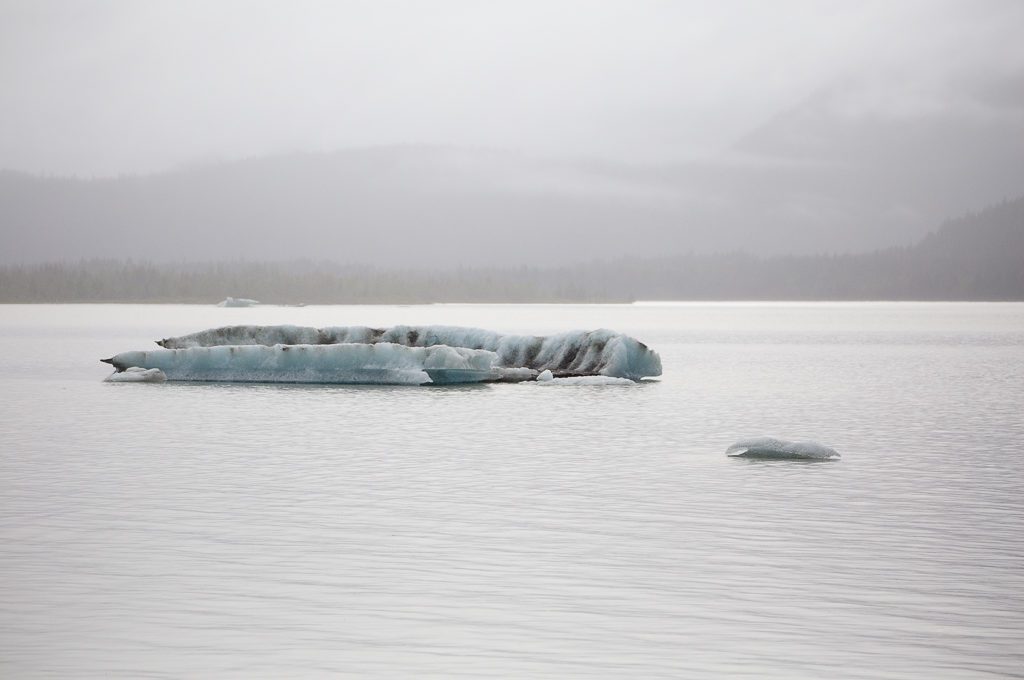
x,y
521,530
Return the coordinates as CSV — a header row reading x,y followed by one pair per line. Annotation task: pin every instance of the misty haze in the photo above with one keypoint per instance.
x,y
655,339
396,136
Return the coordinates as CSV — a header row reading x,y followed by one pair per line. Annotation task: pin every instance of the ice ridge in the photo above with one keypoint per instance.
x,y
382,363
575,353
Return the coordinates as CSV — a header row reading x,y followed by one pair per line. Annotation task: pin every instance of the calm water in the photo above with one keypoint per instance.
x,y
520,530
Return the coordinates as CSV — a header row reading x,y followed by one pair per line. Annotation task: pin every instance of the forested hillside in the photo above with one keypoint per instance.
x,y
976,257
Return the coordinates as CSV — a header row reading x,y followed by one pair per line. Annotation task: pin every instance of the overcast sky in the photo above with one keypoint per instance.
x,y
100,88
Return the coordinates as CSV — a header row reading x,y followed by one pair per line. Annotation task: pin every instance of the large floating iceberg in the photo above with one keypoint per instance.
x,y
576,353
400,355
383,363
780,449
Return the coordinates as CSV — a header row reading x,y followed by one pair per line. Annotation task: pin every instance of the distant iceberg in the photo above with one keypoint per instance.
x,y
237,302
576,353
401,355
770,448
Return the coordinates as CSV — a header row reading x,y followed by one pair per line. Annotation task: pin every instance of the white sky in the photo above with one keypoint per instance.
x,y
99,88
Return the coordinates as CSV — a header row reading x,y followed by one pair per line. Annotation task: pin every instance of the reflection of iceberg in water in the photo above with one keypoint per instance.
x,y
770,448
399,355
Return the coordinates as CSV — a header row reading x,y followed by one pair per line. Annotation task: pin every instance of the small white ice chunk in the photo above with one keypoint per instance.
x,y
779,449
548,378
515,374
134,374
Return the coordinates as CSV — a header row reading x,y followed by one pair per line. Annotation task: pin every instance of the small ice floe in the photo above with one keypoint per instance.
x,y
548,378
515,374
770,448
237,302
134,374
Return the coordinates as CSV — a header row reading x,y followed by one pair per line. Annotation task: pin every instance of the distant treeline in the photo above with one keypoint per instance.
x,y
976,257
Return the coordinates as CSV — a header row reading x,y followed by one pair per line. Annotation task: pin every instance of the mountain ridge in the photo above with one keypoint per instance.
x,y
833,173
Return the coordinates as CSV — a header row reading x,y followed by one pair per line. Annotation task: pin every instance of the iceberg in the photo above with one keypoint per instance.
x,y
348,363
576,353
135,374
770,448
237,302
